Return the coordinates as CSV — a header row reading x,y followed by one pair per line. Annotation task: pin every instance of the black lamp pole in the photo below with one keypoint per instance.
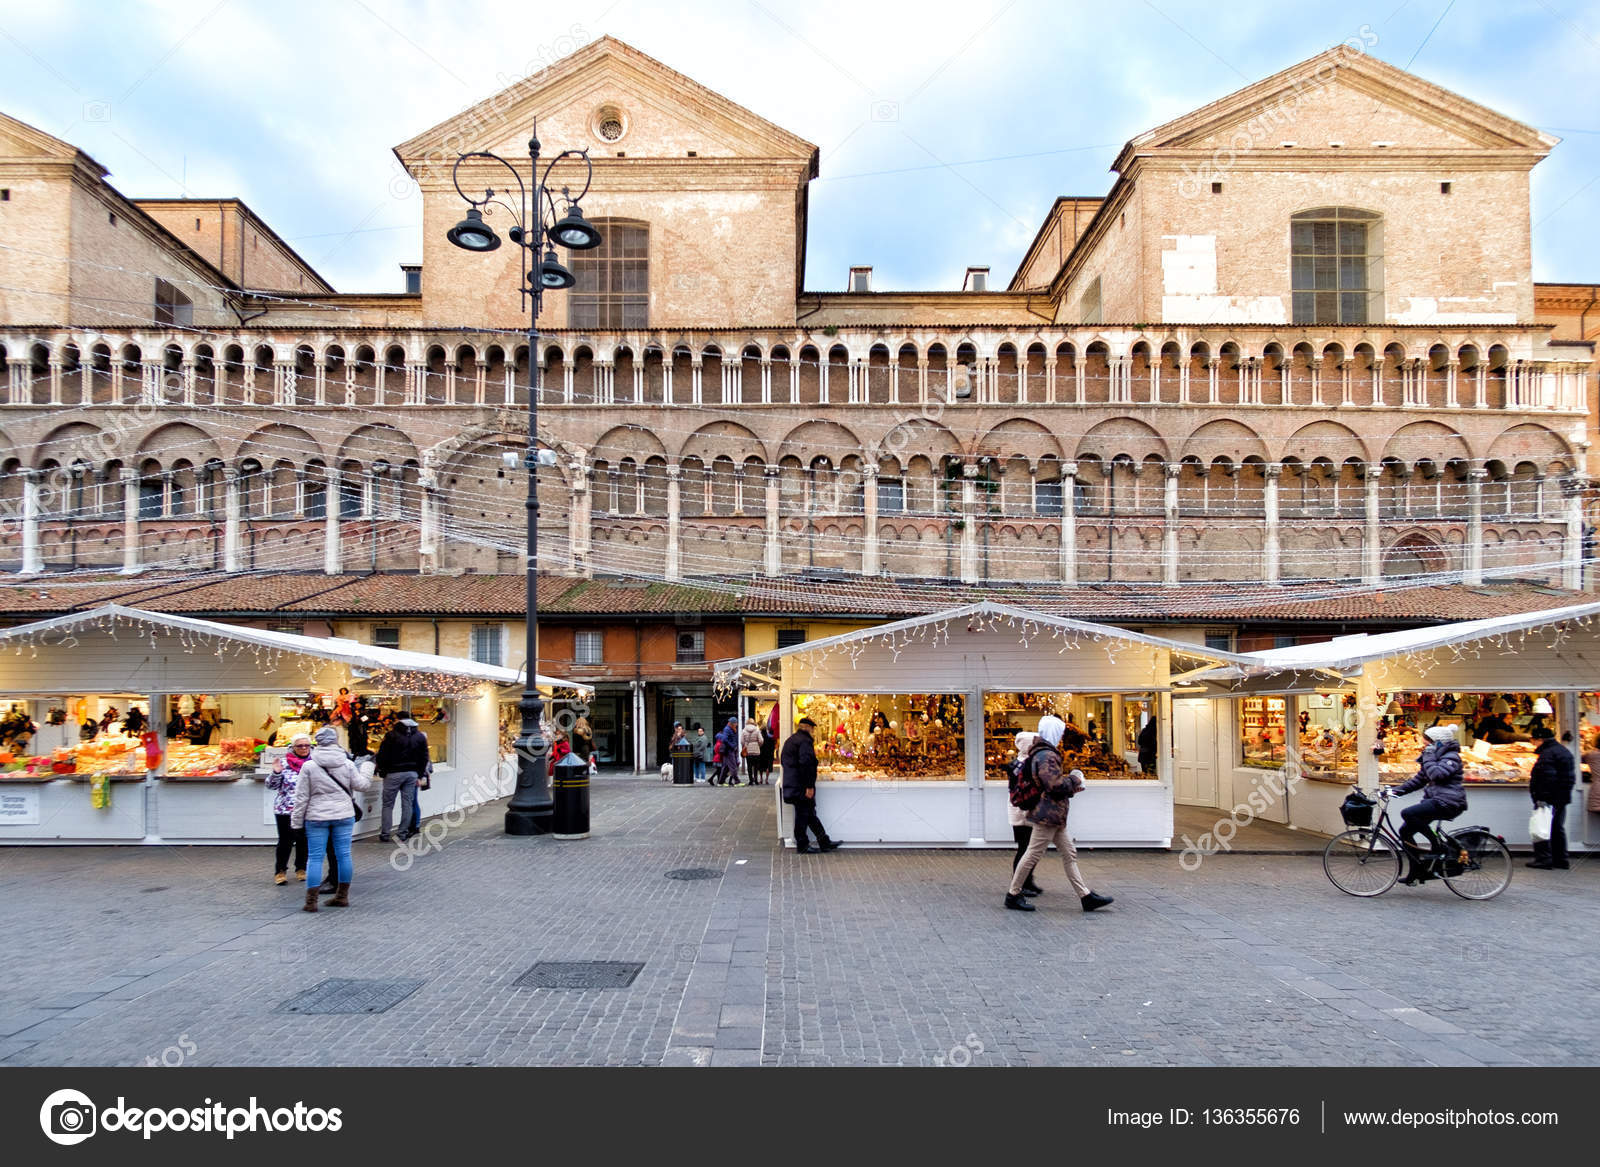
x,y
531,808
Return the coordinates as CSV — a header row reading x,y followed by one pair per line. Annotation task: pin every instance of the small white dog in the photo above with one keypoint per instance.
x,y
666,771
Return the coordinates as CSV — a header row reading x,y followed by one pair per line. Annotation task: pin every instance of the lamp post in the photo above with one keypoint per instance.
x,y
531,808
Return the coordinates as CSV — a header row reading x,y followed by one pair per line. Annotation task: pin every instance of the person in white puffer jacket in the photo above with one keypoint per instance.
x,y
324,804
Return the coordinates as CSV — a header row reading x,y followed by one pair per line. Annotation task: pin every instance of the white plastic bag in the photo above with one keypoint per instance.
x,y
1539,823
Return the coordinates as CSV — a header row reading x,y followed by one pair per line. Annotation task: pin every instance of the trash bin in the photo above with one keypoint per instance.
x,y
683,764
569,790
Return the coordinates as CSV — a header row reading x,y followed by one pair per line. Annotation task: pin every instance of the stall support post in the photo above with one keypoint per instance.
x,y
1366,732
1164,758
1571,722
152,790
977,765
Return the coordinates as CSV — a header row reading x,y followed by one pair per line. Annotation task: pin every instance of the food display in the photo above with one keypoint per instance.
x,y
893,738
231,757
1262,731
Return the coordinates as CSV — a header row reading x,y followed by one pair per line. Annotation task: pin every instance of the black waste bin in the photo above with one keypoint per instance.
x,y
569,790
683,765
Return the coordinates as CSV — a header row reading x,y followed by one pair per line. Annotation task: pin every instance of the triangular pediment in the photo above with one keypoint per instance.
x,y
1343,96
662,114
19,140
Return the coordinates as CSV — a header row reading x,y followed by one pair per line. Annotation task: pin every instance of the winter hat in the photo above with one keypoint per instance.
x,y
1025,741
1076,776
1051,728
327,736
406,721
300,738
1440,733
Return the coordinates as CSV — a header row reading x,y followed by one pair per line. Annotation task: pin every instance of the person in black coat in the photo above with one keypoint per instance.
x,y
1550,782
1147,746
799,761
403,758
1439,778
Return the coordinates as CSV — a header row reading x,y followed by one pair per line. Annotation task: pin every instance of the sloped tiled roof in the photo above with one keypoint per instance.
x,y
303,594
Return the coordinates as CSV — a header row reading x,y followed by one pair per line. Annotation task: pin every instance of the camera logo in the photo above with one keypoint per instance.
x,y
67,1117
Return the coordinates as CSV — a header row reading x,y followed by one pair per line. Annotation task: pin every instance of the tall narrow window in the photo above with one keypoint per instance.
x,y
613,288
487,643
588,646
1336,266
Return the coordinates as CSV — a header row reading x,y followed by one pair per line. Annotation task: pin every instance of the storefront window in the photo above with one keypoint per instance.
x,y
1326,725
74,737
1261,731
1495,731
1096,741
910,737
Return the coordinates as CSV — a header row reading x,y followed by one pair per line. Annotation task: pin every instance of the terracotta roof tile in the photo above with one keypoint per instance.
x,y
394,594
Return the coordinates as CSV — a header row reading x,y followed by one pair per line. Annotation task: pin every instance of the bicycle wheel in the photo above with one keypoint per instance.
x,y
1487,869
1357,866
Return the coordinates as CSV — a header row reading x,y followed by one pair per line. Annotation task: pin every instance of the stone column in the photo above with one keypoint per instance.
x,y
578,520
1572,566
1069,524
1169,537
1475,479
1372,547
32,562
869,508
130,520
332,560
230,519
674,516
773,552
1270,568
969,522
428,522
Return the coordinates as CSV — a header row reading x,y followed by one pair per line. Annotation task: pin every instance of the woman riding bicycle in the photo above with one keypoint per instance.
x,y
1439,776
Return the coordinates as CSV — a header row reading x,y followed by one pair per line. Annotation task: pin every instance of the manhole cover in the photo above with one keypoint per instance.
x,y
579,974
345,996
695,873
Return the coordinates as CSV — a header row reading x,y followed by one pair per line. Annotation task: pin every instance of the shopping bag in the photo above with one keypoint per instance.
x,y
1540,822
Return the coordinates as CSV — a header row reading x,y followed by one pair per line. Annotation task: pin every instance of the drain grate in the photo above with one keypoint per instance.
x,y
579,974
348,996
694,873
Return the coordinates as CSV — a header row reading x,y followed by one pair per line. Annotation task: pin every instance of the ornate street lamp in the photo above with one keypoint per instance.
x,y
537,225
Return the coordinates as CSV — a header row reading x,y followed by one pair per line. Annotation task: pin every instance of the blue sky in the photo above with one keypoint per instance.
x,y
946,128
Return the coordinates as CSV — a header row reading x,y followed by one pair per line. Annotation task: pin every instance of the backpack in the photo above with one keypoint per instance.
x,y
1026,790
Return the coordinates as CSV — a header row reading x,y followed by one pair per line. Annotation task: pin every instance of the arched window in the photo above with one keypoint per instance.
x,y
1336,266
613,288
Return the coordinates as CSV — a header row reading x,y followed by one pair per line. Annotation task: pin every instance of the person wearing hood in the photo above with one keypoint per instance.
x,y
1443,797
1048,817
1550,783
402,759
1021,830
325,807
728,739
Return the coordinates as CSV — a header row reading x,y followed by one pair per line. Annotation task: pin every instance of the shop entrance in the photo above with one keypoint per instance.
x,y
609,718
1194,754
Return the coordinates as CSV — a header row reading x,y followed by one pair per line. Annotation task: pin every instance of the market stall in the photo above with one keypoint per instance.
x,y
134,726
1353,710
915,722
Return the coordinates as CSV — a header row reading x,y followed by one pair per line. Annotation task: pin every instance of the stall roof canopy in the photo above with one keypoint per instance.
x,y
366,657
1346,656
1191,655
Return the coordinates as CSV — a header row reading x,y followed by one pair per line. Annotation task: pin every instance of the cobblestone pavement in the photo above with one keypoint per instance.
x,y
121,956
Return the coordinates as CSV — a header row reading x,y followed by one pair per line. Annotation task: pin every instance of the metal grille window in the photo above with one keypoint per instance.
x,y
791,637
613,288
891,496
588,646
386,638
1220,639
691,647
1336,266
487,646
1047,498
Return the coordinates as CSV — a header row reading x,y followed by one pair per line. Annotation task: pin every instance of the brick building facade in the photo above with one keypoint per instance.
x,y
1298,340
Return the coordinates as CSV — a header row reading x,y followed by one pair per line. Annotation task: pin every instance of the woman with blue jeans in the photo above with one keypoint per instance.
x,y
324,804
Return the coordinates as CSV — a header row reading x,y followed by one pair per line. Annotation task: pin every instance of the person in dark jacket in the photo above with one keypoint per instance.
x,y
1147,746
799,761
1551,783
728,739
360,720
1048,819
1443,797
1497,731
402,759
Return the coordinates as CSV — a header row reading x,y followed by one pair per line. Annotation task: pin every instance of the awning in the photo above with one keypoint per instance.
x,y
366,659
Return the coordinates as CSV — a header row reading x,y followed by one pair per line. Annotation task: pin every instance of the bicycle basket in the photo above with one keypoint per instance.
x,y
1356,809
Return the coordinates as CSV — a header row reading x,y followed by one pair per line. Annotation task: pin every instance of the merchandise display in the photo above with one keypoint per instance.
x,y
892,738
1262,731
1084,745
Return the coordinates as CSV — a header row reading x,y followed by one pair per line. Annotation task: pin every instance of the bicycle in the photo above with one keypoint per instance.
x,y
1365,861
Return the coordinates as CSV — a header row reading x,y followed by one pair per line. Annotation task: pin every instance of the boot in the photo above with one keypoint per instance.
x,y
1095,900
311,900
1030,888
828,845
1019,903
342,899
